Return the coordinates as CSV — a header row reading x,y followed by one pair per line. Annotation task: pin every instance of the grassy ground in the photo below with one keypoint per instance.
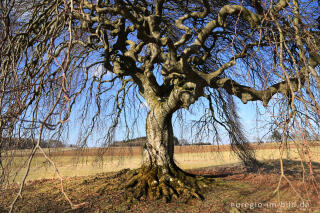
x,y
247,192
71,164
94,181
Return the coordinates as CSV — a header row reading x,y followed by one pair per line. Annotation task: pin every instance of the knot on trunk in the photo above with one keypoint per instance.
x,y
187,94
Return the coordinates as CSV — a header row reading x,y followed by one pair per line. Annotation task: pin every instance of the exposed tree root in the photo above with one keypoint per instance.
x,y
164,182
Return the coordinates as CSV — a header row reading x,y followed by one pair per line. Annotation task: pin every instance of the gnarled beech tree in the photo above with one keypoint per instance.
x,y
174,52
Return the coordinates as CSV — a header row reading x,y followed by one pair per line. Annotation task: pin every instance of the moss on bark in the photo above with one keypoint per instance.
x,y
164,182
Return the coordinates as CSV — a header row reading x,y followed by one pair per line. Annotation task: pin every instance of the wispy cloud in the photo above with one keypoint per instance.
x,y
98,70
143,105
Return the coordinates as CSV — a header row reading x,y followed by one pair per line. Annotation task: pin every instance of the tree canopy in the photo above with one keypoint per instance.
x,y
57,56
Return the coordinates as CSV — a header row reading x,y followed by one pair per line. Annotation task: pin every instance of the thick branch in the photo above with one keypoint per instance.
x,y
181,26
246,93
246,14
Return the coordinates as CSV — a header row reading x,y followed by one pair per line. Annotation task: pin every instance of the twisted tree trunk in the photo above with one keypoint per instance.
x,y
159,148
159,176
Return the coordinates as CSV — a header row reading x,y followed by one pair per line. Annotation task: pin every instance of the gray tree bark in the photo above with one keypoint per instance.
x,y
159,148
159,176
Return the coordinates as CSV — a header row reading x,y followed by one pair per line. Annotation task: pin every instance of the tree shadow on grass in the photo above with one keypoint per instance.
x,y
290,167
252,188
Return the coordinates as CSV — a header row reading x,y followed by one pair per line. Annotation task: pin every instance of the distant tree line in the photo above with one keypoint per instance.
x,y
27,143
140,141
276,136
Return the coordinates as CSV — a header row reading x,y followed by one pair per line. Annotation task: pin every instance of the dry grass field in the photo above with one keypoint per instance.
x,y
94,181
72,162
238,192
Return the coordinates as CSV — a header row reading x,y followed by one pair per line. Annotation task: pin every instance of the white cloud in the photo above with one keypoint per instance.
x,y
98,70
143,105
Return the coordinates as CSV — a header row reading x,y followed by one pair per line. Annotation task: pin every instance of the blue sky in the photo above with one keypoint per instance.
x,y
247,113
